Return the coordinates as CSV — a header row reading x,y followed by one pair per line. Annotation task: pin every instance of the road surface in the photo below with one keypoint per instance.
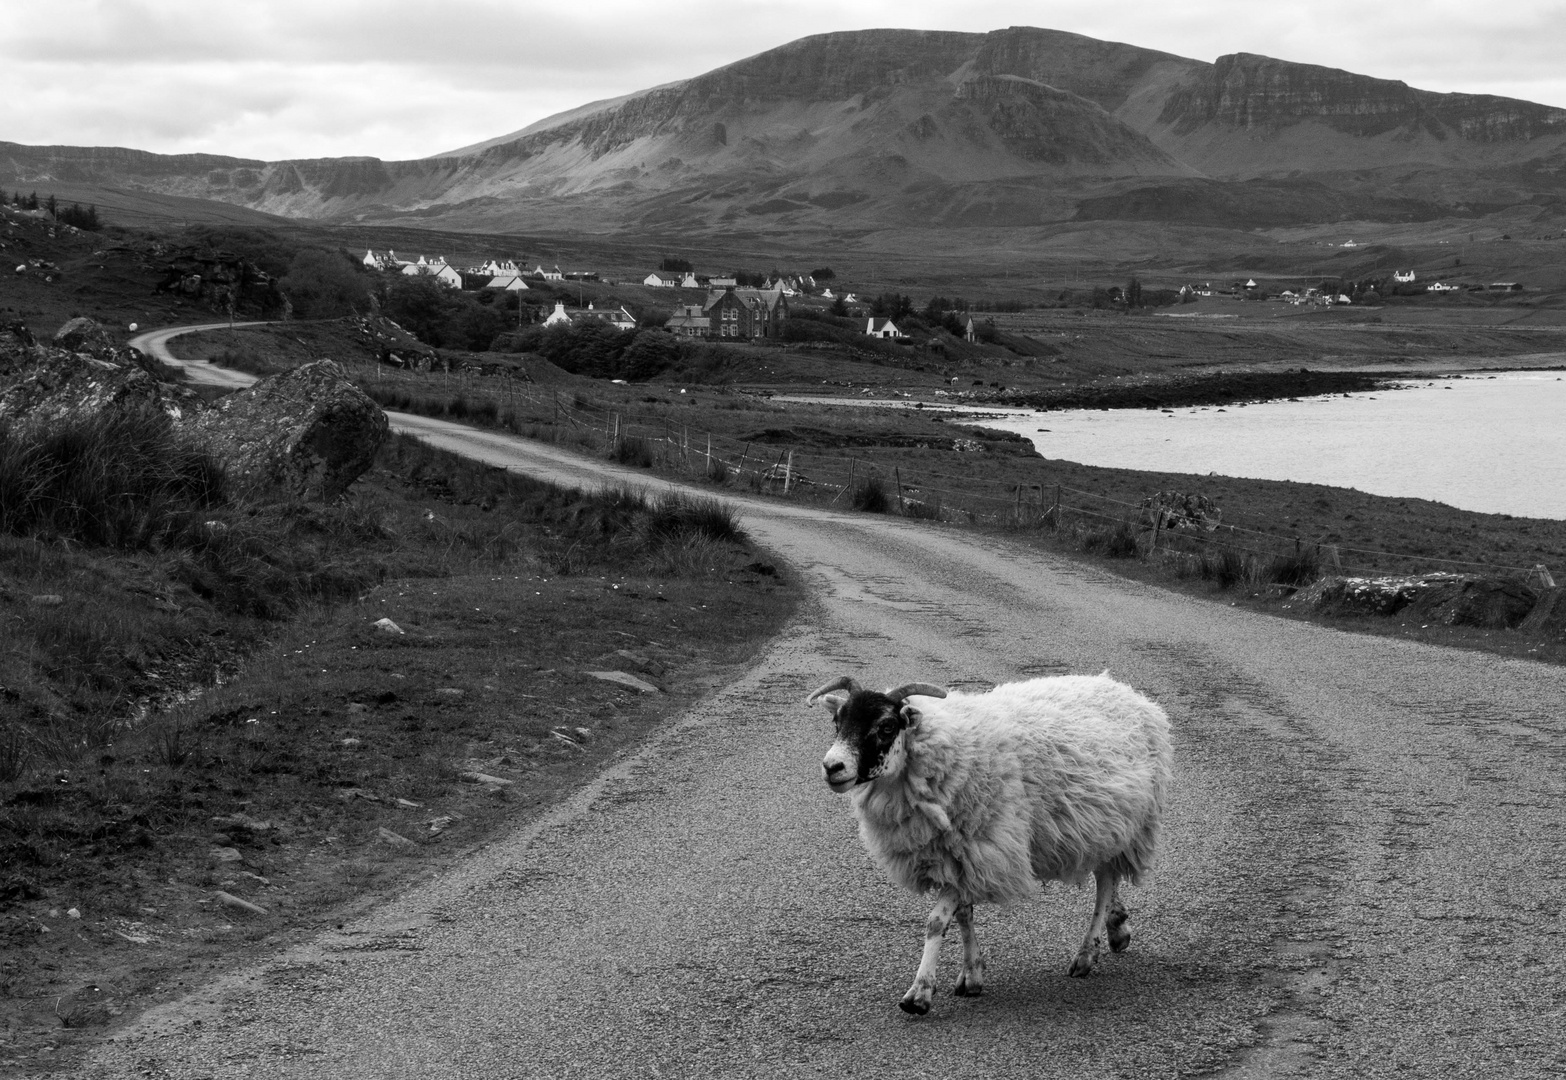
x,y
1362,872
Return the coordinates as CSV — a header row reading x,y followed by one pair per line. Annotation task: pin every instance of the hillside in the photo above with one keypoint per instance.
x,y
891,128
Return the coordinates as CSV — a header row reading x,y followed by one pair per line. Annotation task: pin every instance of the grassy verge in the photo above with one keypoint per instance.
x,y
335,758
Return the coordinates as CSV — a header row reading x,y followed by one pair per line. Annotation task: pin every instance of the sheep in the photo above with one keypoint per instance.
x,y
982,798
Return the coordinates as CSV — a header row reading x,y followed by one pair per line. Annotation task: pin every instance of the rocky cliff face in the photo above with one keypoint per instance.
x,y
1255,92
897,127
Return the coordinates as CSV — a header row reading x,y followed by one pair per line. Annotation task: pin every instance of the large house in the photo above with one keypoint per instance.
x,y
688,321
1402,277
883,328
656,280
745,313
616,317
549,275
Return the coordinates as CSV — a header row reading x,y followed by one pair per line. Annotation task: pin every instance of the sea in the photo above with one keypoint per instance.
x,y
1493,442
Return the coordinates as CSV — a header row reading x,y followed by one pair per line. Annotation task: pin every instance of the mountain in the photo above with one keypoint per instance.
x,y
902,127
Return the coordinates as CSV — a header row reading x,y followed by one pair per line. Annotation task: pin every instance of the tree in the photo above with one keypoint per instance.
x,y
53,207
1133,293
325,284
839,307
823,274
671,265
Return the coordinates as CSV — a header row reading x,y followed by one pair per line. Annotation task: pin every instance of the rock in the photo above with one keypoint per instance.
x,y
451,693
621,678
229,900
45,384
308,432
1450,599
441,824
47,600
349,743
1548,616
408,804
226,855
84,335
73,913
396,840
386,626
485,778
357,708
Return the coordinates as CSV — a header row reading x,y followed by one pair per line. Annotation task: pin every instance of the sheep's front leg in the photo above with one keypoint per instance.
x,y
971,984
1119,936
917,1000
1093,944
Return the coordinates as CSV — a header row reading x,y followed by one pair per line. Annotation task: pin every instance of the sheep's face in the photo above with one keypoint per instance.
x,y
869,744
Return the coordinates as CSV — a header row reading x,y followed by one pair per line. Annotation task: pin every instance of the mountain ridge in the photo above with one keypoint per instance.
x,y
901,127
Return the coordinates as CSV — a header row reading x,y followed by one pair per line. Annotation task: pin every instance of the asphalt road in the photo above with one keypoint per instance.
x,y
1361,876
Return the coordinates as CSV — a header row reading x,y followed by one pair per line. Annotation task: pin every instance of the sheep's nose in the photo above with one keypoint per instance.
x,y
833,768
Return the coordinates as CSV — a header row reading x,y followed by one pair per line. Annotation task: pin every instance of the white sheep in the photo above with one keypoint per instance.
x,y
981,798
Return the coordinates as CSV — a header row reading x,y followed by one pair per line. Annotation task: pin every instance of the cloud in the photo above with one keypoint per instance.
x,y
408,78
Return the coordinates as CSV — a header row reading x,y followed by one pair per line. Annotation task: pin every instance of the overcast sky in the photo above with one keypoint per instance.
x,y
407,78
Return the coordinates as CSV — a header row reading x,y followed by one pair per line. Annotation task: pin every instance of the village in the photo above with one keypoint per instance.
x,y
735,309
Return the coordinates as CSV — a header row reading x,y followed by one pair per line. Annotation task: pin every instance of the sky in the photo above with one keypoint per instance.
x,y
399,79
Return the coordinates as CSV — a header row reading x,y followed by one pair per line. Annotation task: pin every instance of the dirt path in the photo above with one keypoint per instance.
x,y
1359,876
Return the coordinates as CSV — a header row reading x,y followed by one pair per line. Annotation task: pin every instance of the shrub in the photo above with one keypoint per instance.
x,y
632,450
1117,541
1227,567
870,496
1298,568
326,284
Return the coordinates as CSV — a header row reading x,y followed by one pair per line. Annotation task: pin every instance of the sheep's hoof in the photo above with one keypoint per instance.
x,y
914,1004
1082,966
965,988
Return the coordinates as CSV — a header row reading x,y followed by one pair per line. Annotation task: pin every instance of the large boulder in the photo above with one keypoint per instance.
x,y
307,433
82,374
1449,599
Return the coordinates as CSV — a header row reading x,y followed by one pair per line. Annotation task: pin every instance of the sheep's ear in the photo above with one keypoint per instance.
x,y
832,702
911,716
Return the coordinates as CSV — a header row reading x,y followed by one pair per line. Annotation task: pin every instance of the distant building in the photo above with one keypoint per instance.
x,y
549,275
723,282
438,270
617,317
884,328
745,313
689,281
1402,277
689,322
510,282
658,281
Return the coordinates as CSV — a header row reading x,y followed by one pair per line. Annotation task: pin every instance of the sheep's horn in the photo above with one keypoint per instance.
x,y
842,682
922,688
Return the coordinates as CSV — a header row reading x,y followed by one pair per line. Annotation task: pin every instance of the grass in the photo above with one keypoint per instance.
x,y
114,778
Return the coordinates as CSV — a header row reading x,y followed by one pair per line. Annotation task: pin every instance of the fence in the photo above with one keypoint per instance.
x,y
618,432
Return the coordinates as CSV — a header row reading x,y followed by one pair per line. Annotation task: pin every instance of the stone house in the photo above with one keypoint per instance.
x,y
736,313
689,322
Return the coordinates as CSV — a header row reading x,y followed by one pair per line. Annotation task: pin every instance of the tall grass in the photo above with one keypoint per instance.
x,y
870,496
118,478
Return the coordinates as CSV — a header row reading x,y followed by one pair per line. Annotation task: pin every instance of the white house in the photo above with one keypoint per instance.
x,y
882,328
723,283
656,280
1402,277
438,270
549,275
372,260
826,294
617,317
508,282
689,280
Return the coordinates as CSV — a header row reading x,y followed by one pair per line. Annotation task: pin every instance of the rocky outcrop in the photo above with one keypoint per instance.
x,y
1448,599
84,372
223,282
304,434
308,432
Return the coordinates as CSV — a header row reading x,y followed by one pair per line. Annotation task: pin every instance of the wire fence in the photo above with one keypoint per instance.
x,y
796,471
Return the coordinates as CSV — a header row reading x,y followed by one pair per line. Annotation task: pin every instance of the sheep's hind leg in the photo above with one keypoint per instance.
x,y
1093,944
971,983
1119,936
917,1000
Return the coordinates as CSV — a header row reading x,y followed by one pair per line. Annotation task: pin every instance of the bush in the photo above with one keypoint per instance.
x,y
1298,568
870,496
632,450
326,285
1117,541
1227,567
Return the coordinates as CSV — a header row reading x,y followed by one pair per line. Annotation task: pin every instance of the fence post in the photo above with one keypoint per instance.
x,y
739,473
709,455
1016,507
1158,524
788,472
898,473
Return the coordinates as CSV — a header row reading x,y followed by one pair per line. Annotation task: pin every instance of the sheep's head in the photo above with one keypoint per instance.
x,y
869,727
